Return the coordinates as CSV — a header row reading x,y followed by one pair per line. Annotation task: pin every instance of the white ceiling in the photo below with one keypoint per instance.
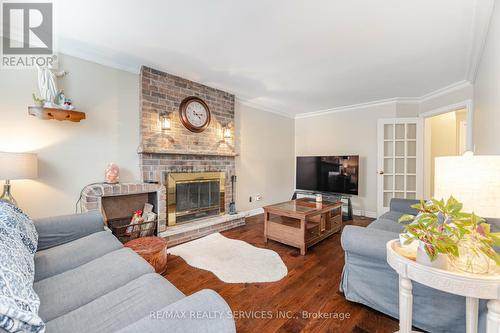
x,y
290,56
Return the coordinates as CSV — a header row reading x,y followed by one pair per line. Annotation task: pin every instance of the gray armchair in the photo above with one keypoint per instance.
x,y
369,280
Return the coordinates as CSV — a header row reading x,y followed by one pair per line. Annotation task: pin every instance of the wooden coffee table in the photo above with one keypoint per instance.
x,y
303,222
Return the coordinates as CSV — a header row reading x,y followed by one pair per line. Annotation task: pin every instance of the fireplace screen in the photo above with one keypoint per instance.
x,y
194,195
197,197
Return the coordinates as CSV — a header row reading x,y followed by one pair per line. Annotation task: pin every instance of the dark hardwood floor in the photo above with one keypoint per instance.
x,y
311,285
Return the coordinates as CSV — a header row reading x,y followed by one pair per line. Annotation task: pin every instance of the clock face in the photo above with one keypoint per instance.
x,y
194,114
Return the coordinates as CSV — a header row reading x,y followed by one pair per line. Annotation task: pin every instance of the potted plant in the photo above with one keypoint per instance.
x,y
446,234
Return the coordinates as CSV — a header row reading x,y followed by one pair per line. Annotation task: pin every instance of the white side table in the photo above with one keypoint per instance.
x,y
473,287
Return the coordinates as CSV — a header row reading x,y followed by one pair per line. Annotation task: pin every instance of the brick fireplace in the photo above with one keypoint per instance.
x,y
178,154
167,153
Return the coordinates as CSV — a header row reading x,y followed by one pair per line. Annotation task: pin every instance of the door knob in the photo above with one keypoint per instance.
x,y
381,172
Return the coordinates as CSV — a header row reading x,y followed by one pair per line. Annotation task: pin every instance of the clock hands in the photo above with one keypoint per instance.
x,y
197,114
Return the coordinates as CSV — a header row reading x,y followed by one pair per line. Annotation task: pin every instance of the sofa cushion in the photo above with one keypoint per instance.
x,y
403,206
205,312
58,230
17,221
67,291
387,225
19,304
120,307
64,257
392,215
495,224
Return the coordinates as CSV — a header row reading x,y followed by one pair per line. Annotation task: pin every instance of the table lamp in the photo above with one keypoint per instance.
x,y
473,180
16,166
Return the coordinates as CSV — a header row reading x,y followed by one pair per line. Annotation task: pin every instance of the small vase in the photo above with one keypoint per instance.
x,y
441,261
471,259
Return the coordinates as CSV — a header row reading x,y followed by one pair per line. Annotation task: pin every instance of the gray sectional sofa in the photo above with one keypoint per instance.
x,y
88,282
369,280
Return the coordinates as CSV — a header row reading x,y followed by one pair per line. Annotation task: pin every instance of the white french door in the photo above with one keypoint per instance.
x,y
399,172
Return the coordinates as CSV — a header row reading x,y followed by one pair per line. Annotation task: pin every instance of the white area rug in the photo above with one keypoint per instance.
x,y
232,261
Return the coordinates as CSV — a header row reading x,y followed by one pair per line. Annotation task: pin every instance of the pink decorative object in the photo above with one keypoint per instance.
x,y
112,175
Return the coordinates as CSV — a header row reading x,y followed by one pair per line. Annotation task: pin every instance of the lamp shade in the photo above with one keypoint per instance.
x,y
18,166
472,180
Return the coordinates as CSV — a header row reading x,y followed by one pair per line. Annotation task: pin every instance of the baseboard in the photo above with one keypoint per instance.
x,y
254,212
364,213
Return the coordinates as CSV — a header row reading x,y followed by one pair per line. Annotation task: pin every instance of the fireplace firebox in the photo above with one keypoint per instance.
x,y
194,195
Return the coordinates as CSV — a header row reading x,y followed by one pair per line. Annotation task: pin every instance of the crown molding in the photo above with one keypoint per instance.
x,y
396,100
261,107
100,57
104,60
463,84
481,21
351,107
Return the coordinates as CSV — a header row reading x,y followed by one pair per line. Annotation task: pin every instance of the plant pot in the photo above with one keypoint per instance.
x,y
471,259
441,261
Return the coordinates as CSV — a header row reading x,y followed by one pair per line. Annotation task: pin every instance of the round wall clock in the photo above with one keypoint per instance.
x,y
194,114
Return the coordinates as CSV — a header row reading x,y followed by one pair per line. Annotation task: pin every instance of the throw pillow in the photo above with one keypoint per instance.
x,y
19,303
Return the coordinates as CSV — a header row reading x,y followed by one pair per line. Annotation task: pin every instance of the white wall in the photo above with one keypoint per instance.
x,y
71,155
407,110
343,133
355,132
265,164
443,140
487,93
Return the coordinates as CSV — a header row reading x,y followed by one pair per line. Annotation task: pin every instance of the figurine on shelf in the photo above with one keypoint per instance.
x,y
112,174
60,98
63,102
48,86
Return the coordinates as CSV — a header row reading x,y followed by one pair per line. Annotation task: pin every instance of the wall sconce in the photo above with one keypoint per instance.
x,y
165,122
226,133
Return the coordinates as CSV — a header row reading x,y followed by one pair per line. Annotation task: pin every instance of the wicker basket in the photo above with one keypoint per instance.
x,y
125,231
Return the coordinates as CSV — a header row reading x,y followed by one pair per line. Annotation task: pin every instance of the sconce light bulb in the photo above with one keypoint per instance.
x,y
165,123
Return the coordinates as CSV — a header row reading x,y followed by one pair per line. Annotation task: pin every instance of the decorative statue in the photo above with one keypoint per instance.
x,y
112,175
48,86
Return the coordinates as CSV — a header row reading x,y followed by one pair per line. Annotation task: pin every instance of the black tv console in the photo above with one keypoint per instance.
x,y
346,201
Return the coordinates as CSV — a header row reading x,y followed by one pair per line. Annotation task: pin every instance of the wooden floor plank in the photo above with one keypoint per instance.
x,y
311,287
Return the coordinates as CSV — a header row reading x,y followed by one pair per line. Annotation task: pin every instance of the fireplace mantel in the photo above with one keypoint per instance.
x,y
195,153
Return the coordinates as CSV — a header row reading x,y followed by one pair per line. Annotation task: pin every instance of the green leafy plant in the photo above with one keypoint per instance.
x,y
441,226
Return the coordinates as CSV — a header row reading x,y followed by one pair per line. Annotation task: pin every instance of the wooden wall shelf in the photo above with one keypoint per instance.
x,y
57,114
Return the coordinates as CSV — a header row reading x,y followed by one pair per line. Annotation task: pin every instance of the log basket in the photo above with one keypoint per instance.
x,y
125,231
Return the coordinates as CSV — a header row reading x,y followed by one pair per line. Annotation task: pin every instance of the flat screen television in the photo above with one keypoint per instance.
x,y
334,174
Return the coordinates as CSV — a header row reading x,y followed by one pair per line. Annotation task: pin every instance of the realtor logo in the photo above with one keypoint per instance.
x,y
27,34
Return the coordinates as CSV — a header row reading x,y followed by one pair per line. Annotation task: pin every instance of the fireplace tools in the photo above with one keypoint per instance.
x,y
232,204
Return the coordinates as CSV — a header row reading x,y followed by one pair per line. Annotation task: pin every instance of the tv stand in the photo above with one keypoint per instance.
x,y
345,198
